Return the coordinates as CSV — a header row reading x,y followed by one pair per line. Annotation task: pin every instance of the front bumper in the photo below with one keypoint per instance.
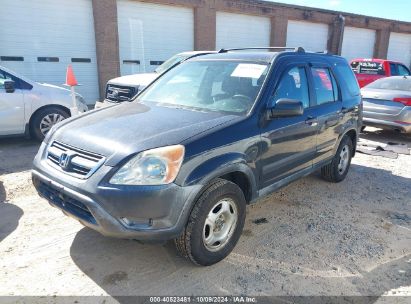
x,y
146,213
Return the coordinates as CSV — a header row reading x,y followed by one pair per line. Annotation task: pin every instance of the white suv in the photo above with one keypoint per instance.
x,y
125,88
31,108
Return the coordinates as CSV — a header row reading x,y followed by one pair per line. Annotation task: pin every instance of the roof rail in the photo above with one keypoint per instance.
x,y
295,49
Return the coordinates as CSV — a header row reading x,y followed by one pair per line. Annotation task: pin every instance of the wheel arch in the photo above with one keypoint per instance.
x,y
65,109
228,167
353,135
242,181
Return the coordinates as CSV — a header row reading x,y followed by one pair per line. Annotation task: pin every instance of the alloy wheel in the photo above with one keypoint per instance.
x,y
49,121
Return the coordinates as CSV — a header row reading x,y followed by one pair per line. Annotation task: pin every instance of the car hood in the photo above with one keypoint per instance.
x,y
124,129
371,93
134,80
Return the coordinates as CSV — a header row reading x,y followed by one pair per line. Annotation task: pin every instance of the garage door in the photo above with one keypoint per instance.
x,y
235,30
149,34
40,38
311,36
399,48
358,43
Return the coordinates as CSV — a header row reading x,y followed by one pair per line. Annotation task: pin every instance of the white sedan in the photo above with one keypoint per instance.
x,y
31,108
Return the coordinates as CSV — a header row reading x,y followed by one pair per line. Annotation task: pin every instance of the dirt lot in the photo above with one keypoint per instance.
x,y
310,238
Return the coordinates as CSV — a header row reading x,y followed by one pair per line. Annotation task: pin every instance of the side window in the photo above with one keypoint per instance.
x,y
18,83
325,85
293,85
403,71
394,69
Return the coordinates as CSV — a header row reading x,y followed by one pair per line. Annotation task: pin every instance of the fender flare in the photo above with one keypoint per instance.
x,y
221,165
351,128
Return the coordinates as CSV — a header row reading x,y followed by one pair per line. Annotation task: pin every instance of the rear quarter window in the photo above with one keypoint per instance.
x,y
347,76
403,71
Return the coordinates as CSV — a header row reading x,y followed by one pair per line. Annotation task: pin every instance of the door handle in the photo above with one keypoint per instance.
x,y
312,121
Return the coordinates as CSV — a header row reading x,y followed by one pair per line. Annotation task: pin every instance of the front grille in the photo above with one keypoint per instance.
x,y
73,161
65,202
117,93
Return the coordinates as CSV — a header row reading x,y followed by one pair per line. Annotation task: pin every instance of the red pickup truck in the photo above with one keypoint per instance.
x,y
369,70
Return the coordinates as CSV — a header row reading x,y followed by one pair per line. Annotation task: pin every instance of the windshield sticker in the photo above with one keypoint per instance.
x,y
248,70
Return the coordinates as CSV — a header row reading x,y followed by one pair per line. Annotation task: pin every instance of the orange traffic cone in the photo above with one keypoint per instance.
x,y
72,82
70,78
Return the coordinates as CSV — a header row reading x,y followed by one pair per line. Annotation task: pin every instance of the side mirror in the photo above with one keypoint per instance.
x,y
9,86
285,107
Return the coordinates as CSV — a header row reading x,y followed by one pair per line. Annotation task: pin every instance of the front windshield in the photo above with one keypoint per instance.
x,y
397,83
223,86
169,63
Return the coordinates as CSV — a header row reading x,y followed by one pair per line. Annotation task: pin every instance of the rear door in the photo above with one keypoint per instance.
x,y
327,109
11,107
289,142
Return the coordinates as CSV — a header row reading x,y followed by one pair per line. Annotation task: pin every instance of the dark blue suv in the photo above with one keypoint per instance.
x,y
200,143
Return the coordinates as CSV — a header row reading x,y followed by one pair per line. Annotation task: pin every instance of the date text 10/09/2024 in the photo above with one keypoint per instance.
x,y
203,299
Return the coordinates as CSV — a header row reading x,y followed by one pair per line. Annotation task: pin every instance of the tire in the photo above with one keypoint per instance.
x,y
49,116
337,170
196,242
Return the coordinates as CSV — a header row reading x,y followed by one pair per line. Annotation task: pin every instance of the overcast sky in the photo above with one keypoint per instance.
x,y
390,9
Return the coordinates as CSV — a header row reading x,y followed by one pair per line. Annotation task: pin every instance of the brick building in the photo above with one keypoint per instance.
x,y
106,38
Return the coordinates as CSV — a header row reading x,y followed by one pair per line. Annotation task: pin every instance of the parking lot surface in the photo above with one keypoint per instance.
x,y
310,238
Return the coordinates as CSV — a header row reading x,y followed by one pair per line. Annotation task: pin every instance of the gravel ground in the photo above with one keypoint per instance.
x,y
311,238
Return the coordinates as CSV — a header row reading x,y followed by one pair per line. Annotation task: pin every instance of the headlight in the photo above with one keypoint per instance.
x,y
152,167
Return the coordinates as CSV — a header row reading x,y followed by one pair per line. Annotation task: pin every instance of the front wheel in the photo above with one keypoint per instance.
x,y
44,120
215,224
337,170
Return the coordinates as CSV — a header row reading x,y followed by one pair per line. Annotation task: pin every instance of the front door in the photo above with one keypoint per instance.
x,y
11,107
290,142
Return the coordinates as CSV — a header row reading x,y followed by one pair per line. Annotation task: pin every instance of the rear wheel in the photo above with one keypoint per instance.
x,y
337,170
215,224
44,120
